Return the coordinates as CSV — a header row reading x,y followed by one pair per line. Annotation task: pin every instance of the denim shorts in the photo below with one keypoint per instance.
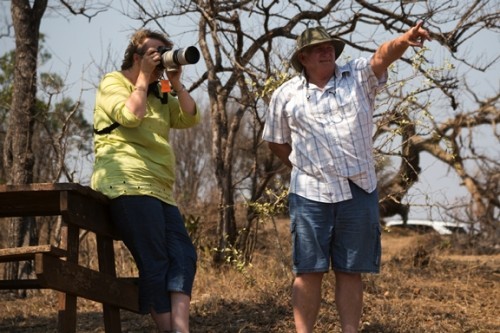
x,y
345,234
155,235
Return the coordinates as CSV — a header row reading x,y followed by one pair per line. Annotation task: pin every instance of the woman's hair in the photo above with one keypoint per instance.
x,y
136,42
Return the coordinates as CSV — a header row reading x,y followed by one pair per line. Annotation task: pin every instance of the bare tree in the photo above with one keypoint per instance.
x,y
194,175
243,44
237,65
442,115
20,163
246,45
18,154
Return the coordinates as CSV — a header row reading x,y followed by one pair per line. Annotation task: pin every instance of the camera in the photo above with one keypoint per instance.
x,y
172,59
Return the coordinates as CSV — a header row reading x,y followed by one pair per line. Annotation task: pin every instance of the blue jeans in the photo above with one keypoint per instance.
x,y
345,234
155,235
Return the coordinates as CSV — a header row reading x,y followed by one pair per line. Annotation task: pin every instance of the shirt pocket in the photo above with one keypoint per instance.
x,y
326,111
347,97
321,114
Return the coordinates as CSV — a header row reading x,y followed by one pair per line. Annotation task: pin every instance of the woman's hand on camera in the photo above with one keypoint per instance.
x,y
150,60
175,78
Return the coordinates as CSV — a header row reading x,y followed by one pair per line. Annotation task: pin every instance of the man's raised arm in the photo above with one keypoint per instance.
x,y
392,50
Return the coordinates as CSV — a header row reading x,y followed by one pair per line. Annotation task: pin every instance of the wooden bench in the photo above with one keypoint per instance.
x,y
80,208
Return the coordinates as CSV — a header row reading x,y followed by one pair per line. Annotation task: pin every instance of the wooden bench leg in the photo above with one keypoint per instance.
x,y
106,257
112,320
66,315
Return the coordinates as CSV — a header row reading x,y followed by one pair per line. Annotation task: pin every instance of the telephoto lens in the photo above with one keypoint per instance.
x,y
172,59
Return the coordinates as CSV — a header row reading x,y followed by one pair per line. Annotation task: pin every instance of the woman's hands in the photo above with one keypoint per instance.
x,y
152,68
175,78
150,61
150,71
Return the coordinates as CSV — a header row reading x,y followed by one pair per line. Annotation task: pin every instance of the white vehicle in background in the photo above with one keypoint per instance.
x,y
441,227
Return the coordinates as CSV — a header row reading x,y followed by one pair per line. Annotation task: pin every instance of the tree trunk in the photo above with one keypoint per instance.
x,y
392,192
18,155
226,227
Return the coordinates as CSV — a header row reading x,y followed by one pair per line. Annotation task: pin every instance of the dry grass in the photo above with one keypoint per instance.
x,y
423,287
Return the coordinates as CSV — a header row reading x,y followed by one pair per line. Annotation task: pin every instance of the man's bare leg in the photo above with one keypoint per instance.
x,y
306,300
349,300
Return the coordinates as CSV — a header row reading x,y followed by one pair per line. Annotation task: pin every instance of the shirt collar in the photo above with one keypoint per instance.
x,y
340,71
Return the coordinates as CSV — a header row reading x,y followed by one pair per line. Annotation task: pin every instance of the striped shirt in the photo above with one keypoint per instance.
x,y
329,130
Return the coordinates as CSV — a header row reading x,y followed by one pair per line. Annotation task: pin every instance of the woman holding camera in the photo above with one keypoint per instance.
x,y
135,167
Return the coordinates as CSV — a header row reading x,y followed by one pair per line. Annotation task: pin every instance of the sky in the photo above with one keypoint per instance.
x,y
75,43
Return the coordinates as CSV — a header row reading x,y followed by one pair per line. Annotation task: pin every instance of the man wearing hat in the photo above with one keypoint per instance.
x,y
319,123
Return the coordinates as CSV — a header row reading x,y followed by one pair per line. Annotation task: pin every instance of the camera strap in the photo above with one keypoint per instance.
x,y
106,130
153,88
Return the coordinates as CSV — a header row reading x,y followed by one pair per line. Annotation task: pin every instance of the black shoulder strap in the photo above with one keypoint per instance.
x,y
107,130
164,98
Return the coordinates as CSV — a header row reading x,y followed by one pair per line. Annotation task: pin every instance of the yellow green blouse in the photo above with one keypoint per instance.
x,y
136,158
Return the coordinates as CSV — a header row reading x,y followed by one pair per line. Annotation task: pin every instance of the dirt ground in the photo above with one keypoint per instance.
x,y
425,285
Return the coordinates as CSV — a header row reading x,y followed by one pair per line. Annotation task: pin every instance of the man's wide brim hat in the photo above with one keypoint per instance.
x,y
312,36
